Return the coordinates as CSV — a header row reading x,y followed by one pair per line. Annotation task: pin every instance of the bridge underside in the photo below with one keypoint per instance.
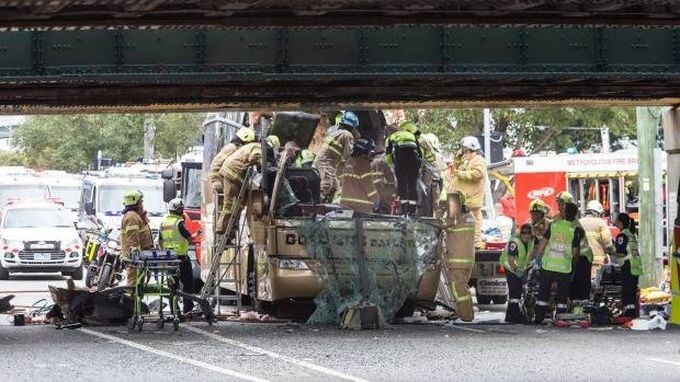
x,y
199,67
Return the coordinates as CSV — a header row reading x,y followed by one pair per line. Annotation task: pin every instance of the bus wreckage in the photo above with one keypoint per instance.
x,y
359,270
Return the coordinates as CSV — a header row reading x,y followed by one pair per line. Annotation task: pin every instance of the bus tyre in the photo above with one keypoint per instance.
x,y
500,300
483,300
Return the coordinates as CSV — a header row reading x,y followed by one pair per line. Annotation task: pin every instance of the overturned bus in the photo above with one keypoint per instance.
x,y
306,252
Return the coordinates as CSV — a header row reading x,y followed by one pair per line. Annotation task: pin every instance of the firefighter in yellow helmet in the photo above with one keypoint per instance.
x,y
175,236
243,136
358,191
336,149
556,253
469,177
135,233
538,219
233,171
563,198
403,151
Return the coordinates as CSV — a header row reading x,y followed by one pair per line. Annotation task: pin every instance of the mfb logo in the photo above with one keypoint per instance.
x,y
541,192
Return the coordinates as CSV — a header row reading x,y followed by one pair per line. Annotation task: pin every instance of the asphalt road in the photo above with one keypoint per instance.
x,y
285,351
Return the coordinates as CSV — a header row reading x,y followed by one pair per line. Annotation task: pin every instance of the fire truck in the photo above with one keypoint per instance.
x,y
610,178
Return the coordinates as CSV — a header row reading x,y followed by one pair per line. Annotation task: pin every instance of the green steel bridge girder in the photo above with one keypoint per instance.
x,y
164,68
176,55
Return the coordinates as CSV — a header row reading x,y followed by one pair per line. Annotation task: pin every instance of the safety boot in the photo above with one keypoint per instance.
x,y
539,314
513,314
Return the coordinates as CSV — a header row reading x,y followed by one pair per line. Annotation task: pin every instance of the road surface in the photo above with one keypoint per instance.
x,y
236,351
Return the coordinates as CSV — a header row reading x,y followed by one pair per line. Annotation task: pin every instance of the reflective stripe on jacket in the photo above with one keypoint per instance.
x,y
219,159
469,177
557,256
521,260
336,148
170,236
235,166
400,139
632,253
358,190
135,234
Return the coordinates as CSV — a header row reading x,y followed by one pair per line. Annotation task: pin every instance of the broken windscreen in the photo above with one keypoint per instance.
x,y
397,253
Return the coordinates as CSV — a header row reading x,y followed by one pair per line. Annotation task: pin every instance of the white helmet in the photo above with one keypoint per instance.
x,y
595,206
176,205
471,143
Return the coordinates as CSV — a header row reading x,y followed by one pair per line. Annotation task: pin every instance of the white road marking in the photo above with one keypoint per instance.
x,y
468,329
294,361
162,353
664,361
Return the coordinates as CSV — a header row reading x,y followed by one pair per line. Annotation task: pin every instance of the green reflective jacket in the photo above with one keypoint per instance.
x,y
557,254
522,258
171,239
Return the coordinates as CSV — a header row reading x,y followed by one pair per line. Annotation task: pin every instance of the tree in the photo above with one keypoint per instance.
x,y
71,142
10,158
530,129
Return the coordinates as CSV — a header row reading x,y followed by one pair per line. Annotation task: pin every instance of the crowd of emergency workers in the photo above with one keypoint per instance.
x,y
566,249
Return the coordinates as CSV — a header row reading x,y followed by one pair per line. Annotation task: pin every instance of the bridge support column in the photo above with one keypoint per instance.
x,y
649,221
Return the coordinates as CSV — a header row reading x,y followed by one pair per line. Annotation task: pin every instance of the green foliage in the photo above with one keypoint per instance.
x,y
71,142
9,158
531,129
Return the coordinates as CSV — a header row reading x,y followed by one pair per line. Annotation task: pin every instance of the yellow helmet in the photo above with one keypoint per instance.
x,y
132,197
246,134
565,197
408,126
538,205
273,141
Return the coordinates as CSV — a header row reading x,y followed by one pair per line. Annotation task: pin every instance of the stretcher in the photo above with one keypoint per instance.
x,y
156,274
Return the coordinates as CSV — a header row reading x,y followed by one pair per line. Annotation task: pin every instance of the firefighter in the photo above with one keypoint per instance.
x,y
432,167
538,220
628,258
243,136
358,191
233,171
562,199
515,258
469,177
598,241
175,236
459,258
135,231
403,152
385,182
336,149
556,252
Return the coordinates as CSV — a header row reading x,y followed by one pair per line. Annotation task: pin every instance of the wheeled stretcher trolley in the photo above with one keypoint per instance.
x,y
157,274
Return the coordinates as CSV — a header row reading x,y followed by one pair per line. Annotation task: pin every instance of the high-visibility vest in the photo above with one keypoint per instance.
x,y
171,238
632,253
400,139
521,260
557,254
